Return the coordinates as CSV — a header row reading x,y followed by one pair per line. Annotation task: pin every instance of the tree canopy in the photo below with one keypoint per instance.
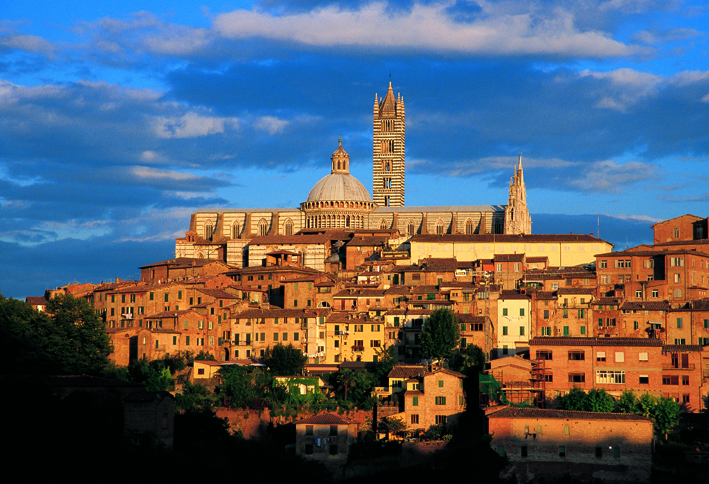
x,y
468,359
440,335
68,339
284,360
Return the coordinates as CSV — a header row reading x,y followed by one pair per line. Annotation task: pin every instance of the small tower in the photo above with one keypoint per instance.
x,y
517,219
389,165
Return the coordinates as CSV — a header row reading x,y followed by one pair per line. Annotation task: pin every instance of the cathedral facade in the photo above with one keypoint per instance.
x,y
339,202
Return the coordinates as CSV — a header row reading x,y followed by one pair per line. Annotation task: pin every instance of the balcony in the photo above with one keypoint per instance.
x,y
666,366
358,348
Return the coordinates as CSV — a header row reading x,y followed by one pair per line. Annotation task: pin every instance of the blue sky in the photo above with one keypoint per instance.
x,y
118,121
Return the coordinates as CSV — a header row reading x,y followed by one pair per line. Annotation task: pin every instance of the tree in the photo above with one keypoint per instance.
x,y
576,399
391,425
471,357
599,401
284,360
68,339
85,344
628,402
386,359
666,414
344,379
440,335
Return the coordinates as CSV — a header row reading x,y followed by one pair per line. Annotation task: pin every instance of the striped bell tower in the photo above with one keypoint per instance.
x,y
389,167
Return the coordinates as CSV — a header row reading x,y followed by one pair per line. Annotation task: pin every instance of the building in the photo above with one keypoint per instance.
x,y
557,443
326,438
339,202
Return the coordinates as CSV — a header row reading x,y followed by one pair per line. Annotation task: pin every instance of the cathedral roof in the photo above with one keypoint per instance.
x,y
339,185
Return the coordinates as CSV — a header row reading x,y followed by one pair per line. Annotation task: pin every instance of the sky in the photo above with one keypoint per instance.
x,y
120,119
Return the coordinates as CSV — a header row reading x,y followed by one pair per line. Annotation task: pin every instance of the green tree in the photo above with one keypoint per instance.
x,y
344,379
599,401
468,359
245,387
284,360
83,345
628,402
194,398
666,414
440,335
576,399
386,359
159,380
391,425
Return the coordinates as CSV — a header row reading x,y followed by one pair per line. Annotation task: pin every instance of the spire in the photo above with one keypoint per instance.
x,y
340,160
520,175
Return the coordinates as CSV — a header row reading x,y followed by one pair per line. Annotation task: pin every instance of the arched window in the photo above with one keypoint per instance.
x,y
289,227
263,227
498,226
208,231
468,227
387,201
439,227
383,224
678,293
235,232
410,229
347,221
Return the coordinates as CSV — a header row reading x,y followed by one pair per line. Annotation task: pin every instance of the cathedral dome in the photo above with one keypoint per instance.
x,y
339,185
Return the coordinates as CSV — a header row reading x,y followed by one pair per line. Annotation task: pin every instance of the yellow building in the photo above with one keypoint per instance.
x,y
561,249
354,338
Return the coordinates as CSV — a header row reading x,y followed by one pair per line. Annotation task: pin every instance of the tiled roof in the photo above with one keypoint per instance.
x,y
170,314
36,300
677,348
607,300
538,259
576,290
555,341
407,371
646,305
541,413
276,313
180,262
509,257
469,318
435,264
513,295
364,241
217,293
324,419
551,295
502,238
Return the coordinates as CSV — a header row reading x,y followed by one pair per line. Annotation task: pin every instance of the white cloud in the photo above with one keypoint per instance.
x,y
271,124
610,177
428,27
192,125
639,218
148,173
626,87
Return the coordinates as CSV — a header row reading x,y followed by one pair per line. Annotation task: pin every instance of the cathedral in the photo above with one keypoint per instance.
x,y
341,203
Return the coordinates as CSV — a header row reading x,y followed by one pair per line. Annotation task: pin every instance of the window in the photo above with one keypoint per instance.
x,y
523,451
610,376
599,452
308,430
546,314
655,294
521,311
440,400
440,383
619,357
685,380
504,311
546,330
562,451
577,377
504,331
582,329
670,379
441,419
416,400
644,380
544,355
414,419
521,330
576,355
679,323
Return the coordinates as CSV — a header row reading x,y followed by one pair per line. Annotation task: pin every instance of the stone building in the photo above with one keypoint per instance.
x,y
340,202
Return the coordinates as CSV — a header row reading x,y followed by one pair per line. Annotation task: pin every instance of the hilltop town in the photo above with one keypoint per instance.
x,y
351,280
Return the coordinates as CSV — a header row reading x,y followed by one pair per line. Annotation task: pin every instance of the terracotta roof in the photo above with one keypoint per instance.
x,y
217,293
36,300
646,305
555,341
407,371
180,262
538,259
509,257
170,314
364,241
324,419
513,295
469,318
442,265
577,290
677,348
503,238
607,300
540,413
276,313
545,295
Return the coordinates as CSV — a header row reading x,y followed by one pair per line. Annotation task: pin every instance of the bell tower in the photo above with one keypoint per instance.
x,y
389,165
517,218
